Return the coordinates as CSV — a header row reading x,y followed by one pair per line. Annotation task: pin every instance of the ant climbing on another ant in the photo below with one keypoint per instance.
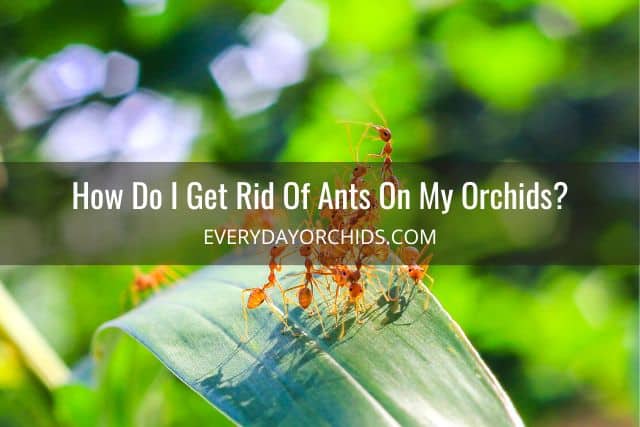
x,y
383,133
339,275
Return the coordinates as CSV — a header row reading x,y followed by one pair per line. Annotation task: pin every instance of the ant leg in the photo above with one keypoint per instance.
x,y
425,306
277,312
135,296
294,288
362,138
314,284
245,314
422,287
376,283
422,251
375,107
363,308
367,127
354,155
172,275
394,276
327,283
155,286
359,304
319,314
363,296
344,315
285,303
382,155
335,305
431,281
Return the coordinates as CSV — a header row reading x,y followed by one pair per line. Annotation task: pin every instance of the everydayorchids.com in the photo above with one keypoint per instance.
x,y
308,236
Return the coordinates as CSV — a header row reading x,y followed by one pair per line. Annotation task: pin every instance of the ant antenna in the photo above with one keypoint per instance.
x,y
354,154
376,108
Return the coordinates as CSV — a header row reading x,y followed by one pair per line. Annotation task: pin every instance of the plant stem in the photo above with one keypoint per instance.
x,y
37,353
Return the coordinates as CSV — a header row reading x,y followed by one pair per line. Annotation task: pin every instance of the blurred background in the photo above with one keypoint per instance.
x,y
206,80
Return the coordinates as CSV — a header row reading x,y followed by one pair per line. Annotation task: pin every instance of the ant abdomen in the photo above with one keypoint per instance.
x,y
256,298
305,296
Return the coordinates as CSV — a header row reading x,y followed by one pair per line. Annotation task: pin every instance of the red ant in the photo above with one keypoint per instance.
x,y
259,295
355,296
415,269
344,277
309,285
384,135
151,281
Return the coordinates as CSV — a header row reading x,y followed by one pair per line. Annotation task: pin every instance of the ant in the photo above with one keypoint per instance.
x,y
366,217
309,285
351,279
357,176
380,251
151,281
383,134
257,219
415,269
259,295
355,296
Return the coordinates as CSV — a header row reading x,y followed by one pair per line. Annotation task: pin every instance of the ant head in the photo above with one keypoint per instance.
x,y
355,290
384,133
415,272
277,250
305,250
359,171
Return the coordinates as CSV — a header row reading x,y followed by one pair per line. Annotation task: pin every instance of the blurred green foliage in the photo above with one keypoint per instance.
x,y
482,79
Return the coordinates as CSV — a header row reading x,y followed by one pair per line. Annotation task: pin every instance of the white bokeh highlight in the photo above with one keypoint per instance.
x,y
68,76
121,75
277,56
143,127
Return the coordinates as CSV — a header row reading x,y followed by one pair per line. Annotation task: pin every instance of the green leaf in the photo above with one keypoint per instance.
x,y
403,366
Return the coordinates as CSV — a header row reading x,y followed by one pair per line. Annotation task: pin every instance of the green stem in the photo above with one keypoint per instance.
x,y
35,350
